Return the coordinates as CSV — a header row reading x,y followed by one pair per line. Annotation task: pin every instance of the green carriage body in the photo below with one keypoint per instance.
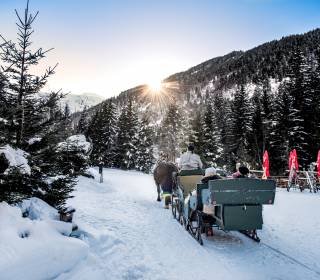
x,y
237,202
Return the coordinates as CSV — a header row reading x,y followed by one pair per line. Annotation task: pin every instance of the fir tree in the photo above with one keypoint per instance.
x,y
127,138
169,134
196,135
211,136
83,124
30,116
279,137
296,87
257,132
145,158
240,126
102,131
266,113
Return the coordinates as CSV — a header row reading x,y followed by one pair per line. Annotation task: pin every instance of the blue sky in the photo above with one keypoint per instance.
x,y
108,46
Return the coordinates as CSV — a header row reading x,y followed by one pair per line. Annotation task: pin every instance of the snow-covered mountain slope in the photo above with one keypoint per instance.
x,y
77,102
270,61
131,236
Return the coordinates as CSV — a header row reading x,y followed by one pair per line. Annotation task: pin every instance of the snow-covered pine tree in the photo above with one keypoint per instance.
x,y
221,108
169,132
240,126
127,139
145,158
83,124
279,137
5,109
185,128
196,135
211,136
102,131
296,87
34,120
315,81
228,137
309,108
266,113
257,133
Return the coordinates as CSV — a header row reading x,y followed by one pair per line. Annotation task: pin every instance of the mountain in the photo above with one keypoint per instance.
x,y
236,106
267,61
77,102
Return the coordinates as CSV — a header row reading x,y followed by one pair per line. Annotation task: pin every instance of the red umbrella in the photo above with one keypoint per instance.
x,y
266,164
290,160
318,163
295,159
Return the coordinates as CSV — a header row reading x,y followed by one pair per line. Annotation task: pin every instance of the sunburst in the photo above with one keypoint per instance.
x,y
160,93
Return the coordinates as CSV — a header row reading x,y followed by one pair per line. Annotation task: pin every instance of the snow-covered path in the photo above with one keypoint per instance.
x,y
131,236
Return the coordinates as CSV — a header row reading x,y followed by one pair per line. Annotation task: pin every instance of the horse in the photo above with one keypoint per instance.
x,y
163,174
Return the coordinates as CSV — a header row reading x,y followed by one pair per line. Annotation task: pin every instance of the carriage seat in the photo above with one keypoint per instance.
x,y
188,179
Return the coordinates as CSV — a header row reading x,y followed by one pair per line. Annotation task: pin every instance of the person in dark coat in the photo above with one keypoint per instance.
x,y
243,172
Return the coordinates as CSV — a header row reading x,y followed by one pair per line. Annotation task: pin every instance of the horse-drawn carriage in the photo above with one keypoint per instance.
x,y
228,204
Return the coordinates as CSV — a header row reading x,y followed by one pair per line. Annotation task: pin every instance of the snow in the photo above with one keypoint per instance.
x,y
33,140
126,234
36,249
37,209
5,121
75,142
16,158
131,236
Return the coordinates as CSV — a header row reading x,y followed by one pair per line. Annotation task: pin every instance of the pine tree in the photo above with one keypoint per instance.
x,y
83,124
258,130
279,137
127,138
240,126
315,82
102,131
266,113
30,116
296,87
145,158
196,135
211,136
169,132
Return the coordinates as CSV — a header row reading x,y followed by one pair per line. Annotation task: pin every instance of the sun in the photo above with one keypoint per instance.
x,y
155,85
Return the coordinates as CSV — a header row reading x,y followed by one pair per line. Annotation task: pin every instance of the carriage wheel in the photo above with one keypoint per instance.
x,y
185,223
196,226
174,207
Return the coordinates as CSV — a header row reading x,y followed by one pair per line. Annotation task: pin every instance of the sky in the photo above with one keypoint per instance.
x,y
105,46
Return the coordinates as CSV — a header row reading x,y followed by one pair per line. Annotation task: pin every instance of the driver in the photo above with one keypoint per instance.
x,y
190,160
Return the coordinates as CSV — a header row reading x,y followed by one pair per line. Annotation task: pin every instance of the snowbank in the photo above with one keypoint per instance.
x,y
37,209
16,158
75,143
36,249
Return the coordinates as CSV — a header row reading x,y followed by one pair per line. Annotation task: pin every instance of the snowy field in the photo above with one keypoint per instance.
x,y
128,235
133,237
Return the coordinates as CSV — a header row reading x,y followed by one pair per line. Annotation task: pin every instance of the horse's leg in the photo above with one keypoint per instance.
x,y
158,190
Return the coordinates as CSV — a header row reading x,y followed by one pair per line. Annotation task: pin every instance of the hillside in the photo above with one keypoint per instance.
x,y
236,106
270,60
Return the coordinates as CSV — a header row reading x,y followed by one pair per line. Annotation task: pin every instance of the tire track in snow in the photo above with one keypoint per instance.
x,y
290,258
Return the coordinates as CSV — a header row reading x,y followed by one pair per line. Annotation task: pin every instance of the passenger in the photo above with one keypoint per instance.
x,y
237,173
210,174
243,172
190,160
